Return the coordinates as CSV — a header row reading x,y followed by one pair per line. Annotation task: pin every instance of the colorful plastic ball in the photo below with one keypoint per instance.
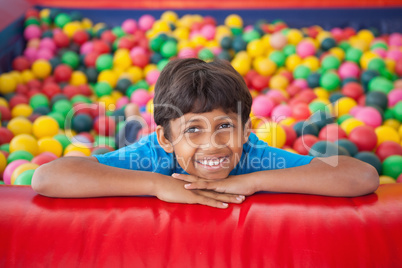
x,y
386,133
278,41
332,132
351,123
394,96
21,63
21,110
291,135
45,126
388,148
3,163
392,166
105,126
370,158
278,82
364,137
104,62
330,63
272,133
129,26
262,106
234,21
348,145
353,90
20,125
20,169
7,84
370,116
278,57
321,118
17,155
39,100
305,49
377,98
397,111
81,123
304,143
169,49
78,78
71,58
140,97
77,149
344,105
44,158
305,128
293,61
51,145
330,81
24,142
324,149
281,112
8,171
381,84
301,111
25,178
386,180
5,135
63,139
32,32
62,106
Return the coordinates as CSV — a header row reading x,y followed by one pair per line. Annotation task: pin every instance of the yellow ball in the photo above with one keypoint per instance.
x,y
264,66
343,106
41,69
272,133
395,124
86,24
366,58
351,123
337,52
109,102
365,35
24,142
17,77
20,125
242,66
50,145
312,63
27,76
199,40
22,168
287,121
293,61
169,16
148,68
3,163
294,36
323,35
70,28
390,64
386,133
7,83
278,82
122,59
45,126
160,26
3,102
108,76
321,93
400,131
77,147
78,78
386,179
21,110
255,48
116,95
150,106
181,33
234,21
44,13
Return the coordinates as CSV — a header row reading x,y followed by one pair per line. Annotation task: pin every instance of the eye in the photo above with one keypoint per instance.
x,y
226,125
192,130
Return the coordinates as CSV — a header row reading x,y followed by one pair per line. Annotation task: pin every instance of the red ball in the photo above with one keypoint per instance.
x,y
140,60
5,113
33,91
70,91
291,135
90,59
332,132
100,47
61,39
21,63
362,100
349,32
108,36
22,89
353,90
34,83
209,20
32,12
85,90
364,137
251,74
388,148
5,135
43,158
398,67
49,79
84,108
144,43
307,95
51,89
18,99
259,82
80,37
399,179
62,73
303,144
293,90
126,42
105,126
300,111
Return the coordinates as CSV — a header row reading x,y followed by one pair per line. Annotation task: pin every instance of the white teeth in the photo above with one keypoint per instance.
x,y
212,162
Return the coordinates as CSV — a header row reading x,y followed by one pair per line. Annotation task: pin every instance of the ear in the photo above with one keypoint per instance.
x,y
163,141
247,131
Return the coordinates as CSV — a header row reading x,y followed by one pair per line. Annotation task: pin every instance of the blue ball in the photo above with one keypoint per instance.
x,y
348,145
305,127
370,158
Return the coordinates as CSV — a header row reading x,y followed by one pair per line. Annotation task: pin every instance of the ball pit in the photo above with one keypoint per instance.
x,y
339,89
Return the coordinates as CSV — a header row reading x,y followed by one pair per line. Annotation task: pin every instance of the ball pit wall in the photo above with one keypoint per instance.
x,y
267,230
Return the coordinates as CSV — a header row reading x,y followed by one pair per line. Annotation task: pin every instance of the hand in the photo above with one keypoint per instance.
x,y
171,190
238,185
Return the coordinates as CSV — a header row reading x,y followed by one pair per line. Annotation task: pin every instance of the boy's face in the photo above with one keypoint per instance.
x,y
208,145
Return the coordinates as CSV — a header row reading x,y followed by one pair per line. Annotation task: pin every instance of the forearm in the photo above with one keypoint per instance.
x,y
81,177
344,176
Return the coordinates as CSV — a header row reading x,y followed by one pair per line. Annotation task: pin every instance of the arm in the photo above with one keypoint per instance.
x,y
348,177
75,177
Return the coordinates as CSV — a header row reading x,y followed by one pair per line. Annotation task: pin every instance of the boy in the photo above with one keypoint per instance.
x,y
202,151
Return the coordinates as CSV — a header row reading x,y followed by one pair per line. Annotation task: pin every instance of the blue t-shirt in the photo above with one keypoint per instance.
x,y
148,155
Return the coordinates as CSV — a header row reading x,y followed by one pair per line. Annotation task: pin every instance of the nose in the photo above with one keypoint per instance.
x,y
210,140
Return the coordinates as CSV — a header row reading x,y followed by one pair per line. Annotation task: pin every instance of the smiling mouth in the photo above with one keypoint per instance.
x,y
213,163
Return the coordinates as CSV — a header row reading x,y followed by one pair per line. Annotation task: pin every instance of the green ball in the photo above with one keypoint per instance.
x,y
330,81
318,106
376,64
161,64
80,99
387,74
63,139
289,50
142,84
344,45
118,32
330,63
236,31
398,111
206,54
169,49
21,154
353,55
59,118
104,62
156,44
25,178
389,114
62,19
39,100
251,35
301,72
103,140
382,45
278,57
62,106
71,58
103,89
381,84
342,118
5,147
31,21
392,166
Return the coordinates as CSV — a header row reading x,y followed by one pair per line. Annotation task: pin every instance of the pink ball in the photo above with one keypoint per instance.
x,y
305,49
30,53
10,169
395,39
380,52
216,50
370,116
394,96
187,53
278,40
145,22
336,31
121,102
87,48
44,158
394,54
208,31
47,43
149,119
135,51
32,31
276,95
301,83
353,112
129,26
349,69
152,77
45,54
262,106
140,97
281,112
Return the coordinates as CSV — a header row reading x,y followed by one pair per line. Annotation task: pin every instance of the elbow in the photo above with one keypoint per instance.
x,y
370,179
39,181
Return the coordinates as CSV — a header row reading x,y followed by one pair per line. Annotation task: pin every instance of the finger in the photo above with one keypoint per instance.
x,y
227,198
201,185
203,200
183,177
